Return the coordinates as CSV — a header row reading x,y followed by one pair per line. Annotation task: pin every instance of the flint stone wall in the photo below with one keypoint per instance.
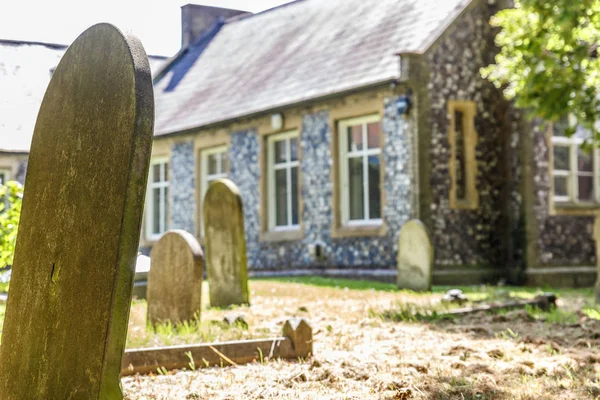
x,y
317,193
489,235
561,240
182,187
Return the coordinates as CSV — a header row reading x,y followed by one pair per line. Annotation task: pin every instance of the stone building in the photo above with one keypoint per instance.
x,y
25,71
341,120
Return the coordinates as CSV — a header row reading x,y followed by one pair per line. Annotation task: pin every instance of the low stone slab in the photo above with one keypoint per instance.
x,y
72,276
175,278
295,343
415,257
226,259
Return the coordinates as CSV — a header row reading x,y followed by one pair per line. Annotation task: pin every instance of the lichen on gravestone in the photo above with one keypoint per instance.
x,y
226,258
175,279
70,295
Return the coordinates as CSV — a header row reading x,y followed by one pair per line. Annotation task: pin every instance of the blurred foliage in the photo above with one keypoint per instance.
x,y
548,60
11,196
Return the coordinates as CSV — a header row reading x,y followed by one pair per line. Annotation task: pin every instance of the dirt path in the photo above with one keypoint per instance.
x,y
360,355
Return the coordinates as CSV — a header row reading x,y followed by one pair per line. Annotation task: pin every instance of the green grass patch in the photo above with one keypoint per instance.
x,y
335,283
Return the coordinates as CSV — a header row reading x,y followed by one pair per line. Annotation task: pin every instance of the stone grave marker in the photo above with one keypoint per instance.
x,y
175,279
70,291
226,260
415,257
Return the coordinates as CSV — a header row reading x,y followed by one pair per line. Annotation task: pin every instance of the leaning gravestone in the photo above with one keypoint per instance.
x,y
70,292
415,257
175,278
226,261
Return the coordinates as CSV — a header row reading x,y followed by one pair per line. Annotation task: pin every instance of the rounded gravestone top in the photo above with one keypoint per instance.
x,y
80,222
226,259
415,257
175,279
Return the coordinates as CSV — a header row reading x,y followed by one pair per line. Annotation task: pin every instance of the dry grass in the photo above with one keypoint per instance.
x,y
360,354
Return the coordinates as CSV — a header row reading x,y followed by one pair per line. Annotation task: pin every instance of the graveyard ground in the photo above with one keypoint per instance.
x,y
368,345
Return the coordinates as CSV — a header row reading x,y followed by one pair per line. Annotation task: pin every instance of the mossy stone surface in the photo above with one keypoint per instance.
x,y
70,292
226,258
415,257
175,278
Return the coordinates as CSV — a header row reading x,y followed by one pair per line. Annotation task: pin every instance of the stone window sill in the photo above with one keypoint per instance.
x,y
351,231
282,236
582,209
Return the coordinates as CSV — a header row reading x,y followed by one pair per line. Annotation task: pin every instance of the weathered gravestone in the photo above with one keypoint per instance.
x,y
226,261
415,257
175,278
70,292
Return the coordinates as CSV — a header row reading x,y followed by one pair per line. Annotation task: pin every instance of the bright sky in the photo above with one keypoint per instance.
x,y
156,22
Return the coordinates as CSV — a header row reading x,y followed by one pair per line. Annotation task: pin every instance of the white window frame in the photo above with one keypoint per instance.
x,y
205,177
572,197
163,202
365,153
271,168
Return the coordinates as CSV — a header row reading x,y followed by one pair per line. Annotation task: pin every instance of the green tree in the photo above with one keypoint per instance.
x,y
11,196
548,61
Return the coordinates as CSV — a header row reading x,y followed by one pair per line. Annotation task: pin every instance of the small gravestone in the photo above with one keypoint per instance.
x,y
70,290
175,279
415,257
226,261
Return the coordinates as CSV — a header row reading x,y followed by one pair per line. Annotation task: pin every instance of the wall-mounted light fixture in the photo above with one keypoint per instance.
x,y
404,103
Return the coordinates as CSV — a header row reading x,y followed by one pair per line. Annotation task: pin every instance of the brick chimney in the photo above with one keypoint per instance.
x,y
197,20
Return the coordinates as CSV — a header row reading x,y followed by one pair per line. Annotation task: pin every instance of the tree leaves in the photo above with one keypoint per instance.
x,y
11,196
548,58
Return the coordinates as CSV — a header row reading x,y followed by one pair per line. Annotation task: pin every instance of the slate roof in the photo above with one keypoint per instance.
x,y
300,51
24,76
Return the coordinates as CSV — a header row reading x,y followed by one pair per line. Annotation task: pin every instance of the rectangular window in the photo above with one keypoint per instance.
x,y
463,163
158,195
575,170
282,175
214,165
360,170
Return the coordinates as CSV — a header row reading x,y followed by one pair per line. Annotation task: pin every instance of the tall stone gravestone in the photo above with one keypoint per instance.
x,y
175,278
70,292
415,257
226,260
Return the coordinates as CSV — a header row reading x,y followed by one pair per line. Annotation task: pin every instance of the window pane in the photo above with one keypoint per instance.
x,y
560,186
584,161
460,161
2,179
355,188
374,188
586,188
295,210
166,169
165,201
280,198
559,128
156,173
294,149
561,158
212,164
355,138
280,156
373,131
156,210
